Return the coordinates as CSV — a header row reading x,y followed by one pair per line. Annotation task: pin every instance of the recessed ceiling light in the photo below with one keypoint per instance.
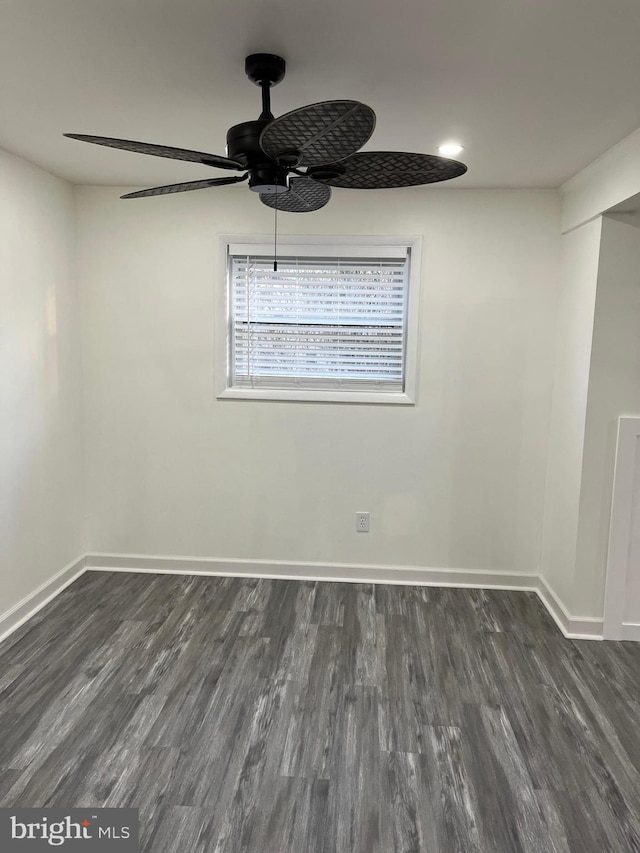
x,y
450,149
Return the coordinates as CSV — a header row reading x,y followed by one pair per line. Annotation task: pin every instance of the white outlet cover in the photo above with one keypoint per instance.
x,y
362,522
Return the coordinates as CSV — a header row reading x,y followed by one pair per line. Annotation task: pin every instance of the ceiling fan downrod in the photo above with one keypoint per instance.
x,y
243,140
265,70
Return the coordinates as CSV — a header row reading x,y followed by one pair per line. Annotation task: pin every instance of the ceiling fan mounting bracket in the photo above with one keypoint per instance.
x,y
326,173
265,68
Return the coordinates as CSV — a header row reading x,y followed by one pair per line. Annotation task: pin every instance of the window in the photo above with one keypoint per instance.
x,y
331,324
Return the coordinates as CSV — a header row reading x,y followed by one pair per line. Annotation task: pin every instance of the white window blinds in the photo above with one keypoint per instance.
x,y
318,322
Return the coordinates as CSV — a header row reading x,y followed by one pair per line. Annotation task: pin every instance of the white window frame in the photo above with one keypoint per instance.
x,y
327,245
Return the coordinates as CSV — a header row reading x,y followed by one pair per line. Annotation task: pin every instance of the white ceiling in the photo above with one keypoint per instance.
x,y
535,89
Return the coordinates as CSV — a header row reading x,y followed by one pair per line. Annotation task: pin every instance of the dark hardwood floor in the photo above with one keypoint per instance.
x,y
269,716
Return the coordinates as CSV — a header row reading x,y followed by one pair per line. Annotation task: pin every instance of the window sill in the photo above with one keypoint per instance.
x,y
301,396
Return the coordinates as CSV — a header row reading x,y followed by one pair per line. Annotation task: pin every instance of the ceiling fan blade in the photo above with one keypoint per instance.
x,y
304,196
319,133
160,151
186,187
370,170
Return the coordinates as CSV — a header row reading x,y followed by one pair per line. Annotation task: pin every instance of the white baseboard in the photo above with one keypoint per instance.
x,y
13,618
346,572
630,631
576,628
583,628
573,627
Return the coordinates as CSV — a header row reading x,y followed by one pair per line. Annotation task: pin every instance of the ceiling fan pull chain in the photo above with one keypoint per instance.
x,y
275,240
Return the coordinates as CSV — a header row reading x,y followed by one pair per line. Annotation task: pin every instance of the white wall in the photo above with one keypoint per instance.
x,y
614,390
41,511
458,481
579,277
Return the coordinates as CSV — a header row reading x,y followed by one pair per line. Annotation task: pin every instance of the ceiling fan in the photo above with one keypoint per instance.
x,y
317,145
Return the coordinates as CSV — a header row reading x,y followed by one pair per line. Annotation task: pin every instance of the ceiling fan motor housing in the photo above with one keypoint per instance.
x,y
243,142
243,145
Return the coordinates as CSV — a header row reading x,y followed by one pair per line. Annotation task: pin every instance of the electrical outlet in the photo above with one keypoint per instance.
x,y
362,522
